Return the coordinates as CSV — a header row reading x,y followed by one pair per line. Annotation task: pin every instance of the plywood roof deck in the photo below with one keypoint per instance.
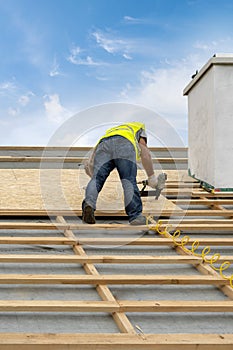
x,y
67,285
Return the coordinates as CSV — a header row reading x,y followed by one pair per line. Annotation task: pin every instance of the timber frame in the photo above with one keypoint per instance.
x,y
201,215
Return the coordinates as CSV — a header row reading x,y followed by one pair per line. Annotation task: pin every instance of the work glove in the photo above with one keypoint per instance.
x,y
152,181
161,179
157,182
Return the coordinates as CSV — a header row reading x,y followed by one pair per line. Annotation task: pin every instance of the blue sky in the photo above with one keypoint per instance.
x,y
61,57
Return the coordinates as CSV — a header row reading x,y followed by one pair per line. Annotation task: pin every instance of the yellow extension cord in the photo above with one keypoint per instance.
x,y
195,245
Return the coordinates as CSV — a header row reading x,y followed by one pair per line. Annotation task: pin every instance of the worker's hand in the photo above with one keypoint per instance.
x,y
152,181
157,182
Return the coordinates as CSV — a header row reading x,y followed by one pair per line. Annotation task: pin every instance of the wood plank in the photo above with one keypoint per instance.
x,y
101,259
178,192
111,279
32,226
58,306
173,221
77,160
212,195
106,259
37,240
79,148
193,221
196,193
77,212
176,306
155,241
226,226
186,185
169,149
210,212
44,148
150,207
63,226
74,212
203,201
43,159
93,341
118,306
170,160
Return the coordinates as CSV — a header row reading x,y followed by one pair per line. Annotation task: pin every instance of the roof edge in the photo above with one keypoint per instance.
x,y
217,59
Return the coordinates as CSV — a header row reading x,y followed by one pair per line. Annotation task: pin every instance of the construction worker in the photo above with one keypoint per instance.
x,y
121,147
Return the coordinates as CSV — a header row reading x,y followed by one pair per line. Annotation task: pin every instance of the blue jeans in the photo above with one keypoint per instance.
x,y
116,152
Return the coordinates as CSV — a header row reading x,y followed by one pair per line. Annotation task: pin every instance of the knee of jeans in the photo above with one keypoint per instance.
x,y
100,180
128,190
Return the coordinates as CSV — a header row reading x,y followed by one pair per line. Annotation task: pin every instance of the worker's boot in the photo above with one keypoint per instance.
x,y
139,220
88,213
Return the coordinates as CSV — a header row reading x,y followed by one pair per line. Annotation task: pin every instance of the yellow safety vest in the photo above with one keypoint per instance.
x,y
129,131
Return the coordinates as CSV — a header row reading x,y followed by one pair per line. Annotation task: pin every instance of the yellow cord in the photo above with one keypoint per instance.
x,y
183,242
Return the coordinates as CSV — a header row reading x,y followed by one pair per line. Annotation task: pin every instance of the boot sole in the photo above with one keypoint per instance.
x,y
88,215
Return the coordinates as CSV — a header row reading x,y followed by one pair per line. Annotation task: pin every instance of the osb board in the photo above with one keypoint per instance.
x,y
64,189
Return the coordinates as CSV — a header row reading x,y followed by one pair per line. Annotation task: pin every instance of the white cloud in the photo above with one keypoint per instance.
x,y
111,44
13,93
7,86
89,61
25,99
102,78
134,20
129,18
74,53
161,89
126,91
108,44
55,69
204,46
214,46
12,111
127,57
25,130
76,57
55,111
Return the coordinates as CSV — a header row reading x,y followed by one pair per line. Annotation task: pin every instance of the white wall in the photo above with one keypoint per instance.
x,y
223,87
210,109
201,129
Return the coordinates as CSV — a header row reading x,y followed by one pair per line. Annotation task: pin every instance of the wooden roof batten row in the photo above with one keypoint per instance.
x,y
211,225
